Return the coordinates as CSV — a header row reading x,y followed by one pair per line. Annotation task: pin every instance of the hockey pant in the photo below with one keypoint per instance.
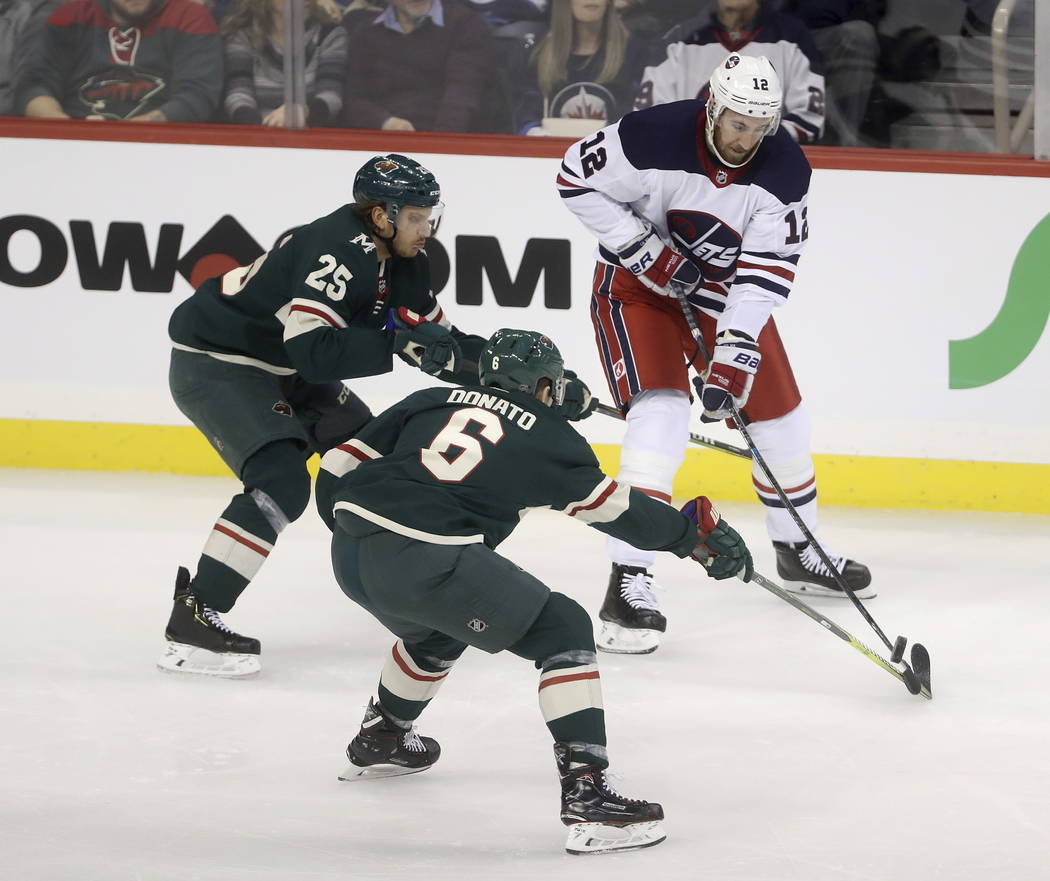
x,y
645,345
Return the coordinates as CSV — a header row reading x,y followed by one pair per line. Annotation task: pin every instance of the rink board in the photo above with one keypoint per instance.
x,y
918,368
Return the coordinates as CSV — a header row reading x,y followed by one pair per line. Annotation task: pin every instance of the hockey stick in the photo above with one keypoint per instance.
x,y
897,647
916,678
697,439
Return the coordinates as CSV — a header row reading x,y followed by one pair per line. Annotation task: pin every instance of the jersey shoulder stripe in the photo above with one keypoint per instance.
x,y
663,137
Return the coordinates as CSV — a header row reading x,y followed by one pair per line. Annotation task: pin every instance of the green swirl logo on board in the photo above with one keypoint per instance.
x,y
1005,343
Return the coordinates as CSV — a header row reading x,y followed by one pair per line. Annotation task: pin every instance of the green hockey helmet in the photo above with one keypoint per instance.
x,y
516,361
396,181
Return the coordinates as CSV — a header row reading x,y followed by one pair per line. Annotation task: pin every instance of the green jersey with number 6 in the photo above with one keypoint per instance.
x,y
320,304
464,465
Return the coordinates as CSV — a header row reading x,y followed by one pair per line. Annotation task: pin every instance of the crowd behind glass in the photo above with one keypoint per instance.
x,y
870,73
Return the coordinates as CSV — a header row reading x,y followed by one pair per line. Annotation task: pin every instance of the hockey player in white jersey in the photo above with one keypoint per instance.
x,y
747,29
712,198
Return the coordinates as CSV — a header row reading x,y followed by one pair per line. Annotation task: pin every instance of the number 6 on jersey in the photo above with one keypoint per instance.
x,y
454,434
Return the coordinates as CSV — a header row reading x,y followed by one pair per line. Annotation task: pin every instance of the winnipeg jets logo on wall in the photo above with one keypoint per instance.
x,y
123,45
584,101
712,245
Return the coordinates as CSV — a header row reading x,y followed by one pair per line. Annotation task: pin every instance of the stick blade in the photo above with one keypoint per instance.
x,y
920,663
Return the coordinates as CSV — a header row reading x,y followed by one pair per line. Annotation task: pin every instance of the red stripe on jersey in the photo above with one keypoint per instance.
x,y
355,452
412,674
655,494
564,182
572,677
775,270
240,538
313,311
792,489
609,490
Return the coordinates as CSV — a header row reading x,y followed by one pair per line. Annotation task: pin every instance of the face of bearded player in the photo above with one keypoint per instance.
x,y
132,12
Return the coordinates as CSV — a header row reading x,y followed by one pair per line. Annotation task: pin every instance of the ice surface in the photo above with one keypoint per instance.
x,y
779,753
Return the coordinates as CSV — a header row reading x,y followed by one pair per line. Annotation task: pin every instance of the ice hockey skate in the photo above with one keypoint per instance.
x,y
802,571
630,615
384,749
601,820
200,642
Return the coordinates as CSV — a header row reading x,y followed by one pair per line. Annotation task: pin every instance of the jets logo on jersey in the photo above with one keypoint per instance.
x,y
732,61
711,244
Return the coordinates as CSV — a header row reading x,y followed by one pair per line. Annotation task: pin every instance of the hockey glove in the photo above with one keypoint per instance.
x,y
719,547
429,346
578,403
657,266
730,375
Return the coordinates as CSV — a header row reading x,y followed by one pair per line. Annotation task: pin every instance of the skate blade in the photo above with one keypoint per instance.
x,y
805,588
377,772
619,640
181,658
595,838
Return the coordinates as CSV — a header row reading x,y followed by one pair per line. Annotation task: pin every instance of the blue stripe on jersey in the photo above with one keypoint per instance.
x,y
663,137
764,283
606,254
625,346
603,342
769,255
565,168
776,503
568,194
701,301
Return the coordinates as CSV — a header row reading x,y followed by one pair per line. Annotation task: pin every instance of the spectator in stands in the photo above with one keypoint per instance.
x,y
498,13
654,19
13,17
746,27
419,65
845,35
586,68
141,60
254,38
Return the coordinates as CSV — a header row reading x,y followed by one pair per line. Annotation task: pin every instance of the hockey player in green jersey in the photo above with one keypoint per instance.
x,y
418,501
258,359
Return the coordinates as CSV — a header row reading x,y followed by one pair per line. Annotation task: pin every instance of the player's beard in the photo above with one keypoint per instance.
x,y
403,249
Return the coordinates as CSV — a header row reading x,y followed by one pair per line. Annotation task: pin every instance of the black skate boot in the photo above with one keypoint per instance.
x,y
199,641
631,619
601,820
384,748
802,571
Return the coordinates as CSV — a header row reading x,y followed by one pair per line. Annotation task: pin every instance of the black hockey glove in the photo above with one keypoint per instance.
x,y
429,346
578,403
719,547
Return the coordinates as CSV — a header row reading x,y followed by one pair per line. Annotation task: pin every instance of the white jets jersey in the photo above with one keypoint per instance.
x,y
783,39
744,228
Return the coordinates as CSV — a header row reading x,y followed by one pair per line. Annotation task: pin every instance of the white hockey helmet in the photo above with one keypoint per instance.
x,y
748,85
